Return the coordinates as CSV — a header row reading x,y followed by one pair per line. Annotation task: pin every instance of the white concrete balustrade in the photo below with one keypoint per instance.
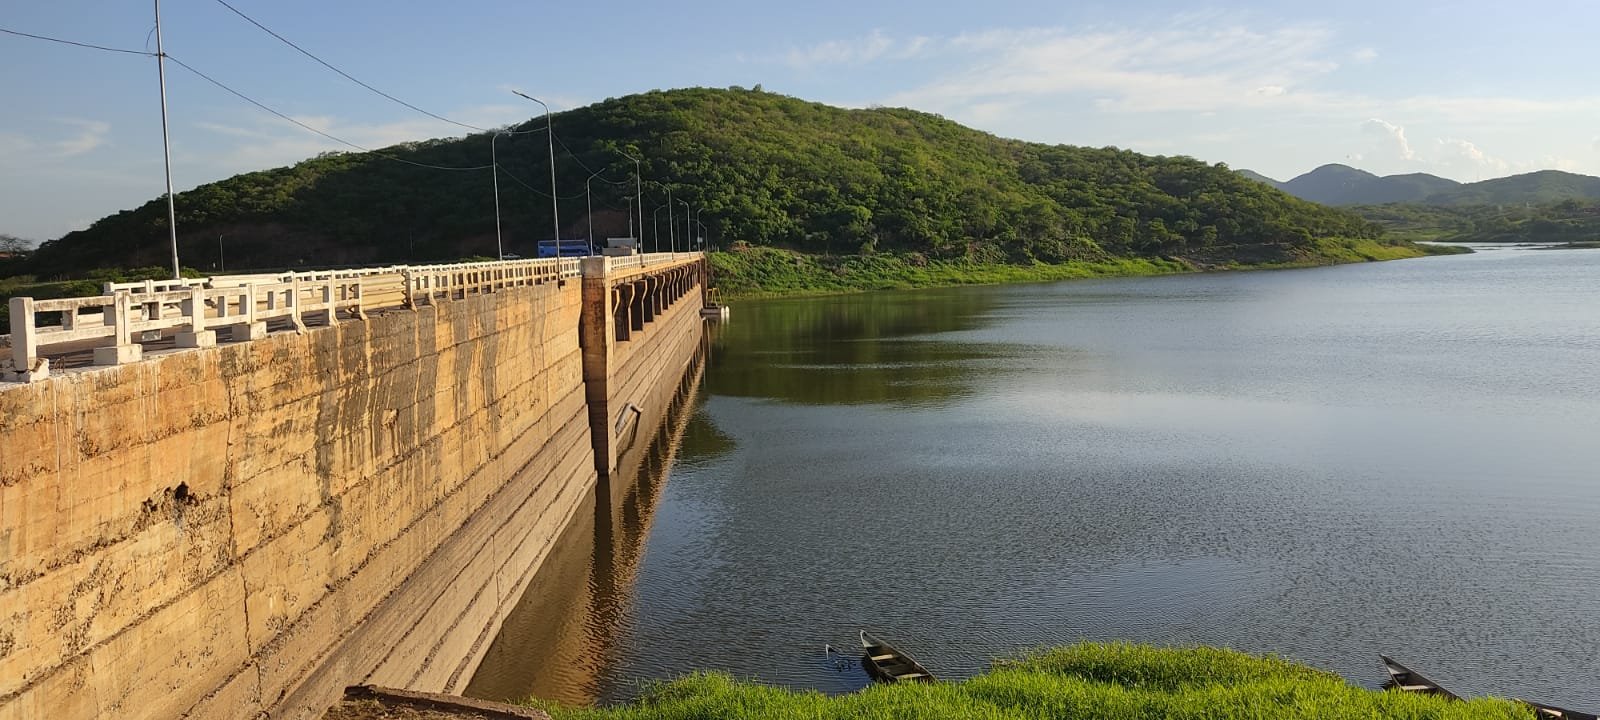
x,y
190,311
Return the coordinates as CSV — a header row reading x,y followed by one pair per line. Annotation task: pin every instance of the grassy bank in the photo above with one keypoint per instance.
x,y
760,271
1085,681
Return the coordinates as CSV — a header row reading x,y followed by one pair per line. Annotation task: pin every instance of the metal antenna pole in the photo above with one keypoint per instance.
x,y
166,144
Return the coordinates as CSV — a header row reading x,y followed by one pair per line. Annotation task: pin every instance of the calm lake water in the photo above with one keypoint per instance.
x,y
1326,464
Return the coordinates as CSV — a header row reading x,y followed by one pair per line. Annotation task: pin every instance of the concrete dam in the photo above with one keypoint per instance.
x,y
267,488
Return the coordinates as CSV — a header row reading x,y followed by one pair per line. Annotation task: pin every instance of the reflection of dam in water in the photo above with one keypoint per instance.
x,y
557,640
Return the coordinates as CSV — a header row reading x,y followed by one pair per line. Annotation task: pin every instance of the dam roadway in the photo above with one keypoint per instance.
x,y
239,495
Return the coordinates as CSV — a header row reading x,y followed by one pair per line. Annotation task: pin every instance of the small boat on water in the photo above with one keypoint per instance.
x,y
888,665
1409,680
1557,713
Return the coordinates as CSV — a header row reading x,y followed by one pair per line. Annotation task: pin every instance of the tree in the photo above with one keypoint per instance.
x,y
14,245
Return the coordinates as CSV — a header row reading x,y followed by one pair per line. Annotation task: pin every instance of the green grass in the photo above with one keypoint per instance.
x,y
761,271
1085,681
767,271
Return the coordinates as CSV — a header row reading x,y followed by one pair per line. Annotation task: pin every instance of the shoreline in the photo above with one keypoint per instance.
x,y
766,273
1086,680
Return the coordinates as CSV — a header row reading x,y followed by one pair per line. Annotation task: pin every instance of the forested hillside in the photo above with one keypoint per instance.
x,y
1342,185
756,167
1568,221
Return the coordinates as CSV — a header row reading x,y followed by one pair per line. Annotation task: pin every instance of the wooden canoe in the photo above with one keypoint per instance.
x,y
1408,680
1557,713
888,665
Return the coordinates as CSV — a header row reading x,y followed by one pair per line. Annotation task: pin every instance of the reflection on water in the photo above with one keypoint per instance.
x,y
1325,464
558,641
852,349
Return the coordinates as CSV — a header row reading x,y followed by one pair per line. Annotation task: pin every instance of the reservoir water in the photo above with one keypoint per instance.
x,y
1325,464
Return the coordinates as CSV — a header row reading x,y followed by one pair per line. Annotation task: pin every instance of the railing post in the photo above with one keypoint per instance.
x,y
294,304
360,285
329,299
250,329
124,350
194,309
25,358
406,289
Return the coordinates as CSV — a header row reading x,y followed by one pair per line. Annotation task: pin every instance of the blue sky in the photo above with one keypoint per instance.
x,y
1466,89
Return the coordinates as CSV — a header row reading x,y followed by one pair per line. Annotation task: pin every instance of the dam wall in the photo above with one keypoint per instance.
x,y
250,527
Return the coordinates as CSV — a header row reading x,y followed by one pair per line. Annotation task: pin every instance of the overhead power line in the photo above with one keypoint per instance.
x,y
575,156
79,44
334,138
541,193
346,75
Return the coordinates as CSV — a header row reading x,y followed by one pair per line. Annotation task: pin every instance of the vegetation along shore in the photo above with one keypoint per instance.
x,y
878,197
1085,681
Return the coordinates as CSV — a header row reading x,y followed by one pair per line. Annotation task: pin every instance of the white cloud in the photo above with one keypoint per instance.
x,y
876,45
1364,55
1461,154
1391,138
91,134
1190,68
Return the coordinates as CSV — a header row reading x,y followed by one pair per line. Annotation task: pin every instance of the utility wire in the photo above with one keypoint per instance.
x,y
79,44
574,156
346,75
339,140
537,190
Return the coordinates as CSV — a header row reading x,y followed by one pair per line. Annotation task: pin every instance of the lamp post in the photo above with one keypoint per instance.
x,y
655,230
630,220
688,229
494,169
166,145
672,228
638,185
550,135
588,202
222,265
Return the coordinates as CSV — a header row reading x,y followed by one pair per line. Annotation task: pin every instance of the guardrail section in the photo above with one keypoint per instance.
x,y
189,311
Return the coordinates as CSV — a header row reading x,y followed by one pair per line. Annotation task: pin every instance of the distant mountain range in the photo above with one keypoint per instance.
x,y
1336,184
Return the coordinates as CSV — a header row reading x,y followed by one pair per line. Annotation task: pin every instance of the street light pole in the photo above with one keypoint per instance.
x,y
550,134
630,220
494,169
222,265
638,185
672,230
588,201
688,230
166,143
655,229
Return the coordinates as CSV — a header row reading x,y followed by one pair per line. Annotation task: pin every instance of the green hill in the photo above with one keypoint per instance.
x,y
1258,177
1342,185
758,167
1336,184
1567,221
1536,188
